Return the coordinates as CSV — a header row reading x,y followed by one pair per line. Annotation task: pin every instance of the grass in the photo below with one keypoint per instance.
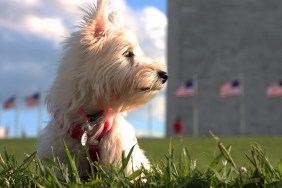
x,y
18,147
202,162
204,149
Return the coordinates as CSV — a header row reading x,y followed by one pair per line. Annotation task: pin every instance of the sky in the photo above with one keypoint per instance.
x,y
31,32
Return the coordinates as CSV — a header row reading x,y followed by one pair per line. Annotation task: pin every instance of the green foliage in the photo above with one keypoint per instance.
x,y
172,171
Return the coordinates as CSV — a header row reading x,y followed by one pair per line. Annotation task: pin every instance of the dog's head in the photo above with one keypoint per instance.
x,y
103,66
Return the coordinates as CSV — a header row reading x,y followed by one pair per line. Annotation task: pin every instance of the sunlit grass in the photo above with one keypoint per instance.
x,y
181,170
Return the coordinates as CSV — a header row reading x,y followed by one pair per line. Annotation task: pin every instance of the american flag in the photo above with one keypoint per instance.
x,y
10,103
32,100
274,90
185,90
229,89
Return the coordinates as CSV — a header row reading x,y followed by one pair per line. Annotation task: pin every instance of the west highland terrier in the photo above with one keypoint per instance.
x,y
102,75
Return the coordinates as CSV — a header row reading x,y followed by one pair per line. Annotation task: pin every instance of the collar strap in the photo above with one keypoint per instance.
x,y
76,131
93,148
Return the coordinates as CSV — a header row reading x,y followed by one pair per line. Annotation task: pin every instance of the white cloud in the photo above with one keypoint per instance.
x,y
150,25
155,23
28,18
50,28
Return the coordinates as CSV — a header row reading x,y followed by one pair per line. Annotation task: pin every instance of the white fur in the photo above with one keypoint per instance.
x,y
94,75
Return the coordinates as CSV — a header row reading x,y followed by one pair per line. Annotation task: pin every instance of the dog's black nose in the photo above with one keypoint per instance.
x,y
163,76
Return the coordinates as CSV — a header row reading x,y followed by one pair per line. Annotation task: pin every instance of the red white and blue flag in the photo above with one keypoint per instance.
x,y
10,103
231,88
32,100
274,90
185,90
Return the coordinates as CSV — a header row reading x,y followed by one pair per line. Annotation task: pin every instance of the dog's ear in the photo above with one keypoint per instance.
x,y
95,24
101,19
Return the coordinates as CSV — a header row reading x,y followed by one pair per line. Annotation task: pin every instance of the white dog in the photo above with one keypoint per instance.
x,y
103,74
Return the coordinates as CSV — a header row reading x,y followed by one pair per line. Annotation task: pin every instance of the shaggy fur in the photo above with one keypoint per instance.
x,y
102,69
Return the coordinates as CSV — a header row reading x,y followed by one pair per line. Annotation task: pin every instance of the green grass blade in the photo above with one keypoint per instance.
x,y
224,151
280,166
91,164
74,172
135,174
126,159
214,164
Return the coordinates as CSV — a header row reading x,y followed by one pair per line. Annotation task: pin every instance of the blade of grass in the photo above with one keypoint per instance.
x,y
224,151
72,165
135,174
126,159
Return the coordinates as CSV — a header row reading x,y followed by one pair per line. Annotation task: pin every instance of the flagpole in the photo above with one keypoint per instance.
x,y
40,111
195,107
242,105
16,120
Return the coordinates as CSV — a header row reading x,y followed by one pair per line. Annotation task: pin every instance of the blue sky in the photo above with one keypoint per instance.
x,y
140,4
30,36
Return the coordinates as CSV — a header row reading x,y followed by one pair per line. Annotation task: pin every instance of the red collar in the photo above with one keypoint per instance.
x,y
93,149
80,133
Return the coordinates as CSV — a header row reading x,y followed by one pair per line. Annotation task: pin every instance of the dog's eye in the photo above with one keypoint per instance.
x,y
128,53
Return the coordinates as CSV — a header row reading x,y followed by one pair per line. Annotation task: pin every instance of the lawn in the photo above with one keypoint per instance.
x,y
202,149
216,166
